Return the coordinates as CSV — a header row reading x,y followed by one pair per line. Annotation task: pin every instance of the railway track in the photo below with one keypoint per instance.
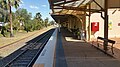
x,y
26,56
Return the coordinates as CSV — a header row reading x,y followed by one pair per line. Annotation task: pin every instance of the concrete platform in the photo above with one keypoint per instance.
x,y
77,53
63,50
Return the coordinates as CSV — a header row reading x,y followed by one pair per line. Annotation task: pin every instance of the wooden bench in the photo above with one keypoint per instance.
x,y
100,41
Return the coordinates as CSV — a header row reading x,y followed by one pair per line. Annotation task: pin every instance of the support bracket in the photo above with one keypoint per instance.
x,y
102,15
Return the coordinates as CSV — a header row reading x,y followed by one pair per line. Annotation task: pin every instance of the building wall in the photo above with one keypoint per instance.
x,y
114,19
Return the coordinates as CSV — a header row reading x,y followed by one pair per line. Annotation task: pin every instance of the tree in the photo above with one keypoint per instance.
x,y
38,16
24,17
37,21
16,25
8,4
52,22
29,26
46,22
3,11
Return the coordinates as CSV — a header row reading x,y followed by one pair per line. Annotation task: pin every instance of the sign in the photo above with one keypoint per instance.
x,y
95,26
110,25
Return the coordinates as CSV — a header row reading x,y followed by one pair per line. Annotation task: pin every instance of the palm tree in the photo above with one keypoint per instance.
x,y
38,16
39,20
8,4
11,3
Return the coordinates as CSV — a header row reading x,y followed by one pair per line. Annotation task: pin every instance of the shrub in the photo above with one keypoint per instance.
x,y
5,32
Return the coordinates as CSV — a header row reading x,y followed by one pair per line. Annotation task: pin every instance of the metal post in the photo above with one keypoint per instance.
x,y
106,24
84,23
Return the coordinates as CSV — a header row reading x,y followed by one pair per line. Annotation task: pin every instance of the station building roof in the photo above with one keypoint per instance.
x,y
79,7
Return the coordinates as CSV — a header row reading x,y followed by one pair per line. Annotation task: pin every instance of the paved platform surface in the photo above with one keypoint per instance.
x,y
116,47
77,53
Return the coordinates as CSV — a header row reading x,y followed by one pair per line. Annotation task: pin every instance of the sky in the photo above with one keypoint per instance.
x,y
35,6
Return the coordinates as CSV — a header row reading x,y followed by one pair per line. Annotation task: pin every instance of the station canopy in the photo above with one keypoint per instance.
x,y
79,7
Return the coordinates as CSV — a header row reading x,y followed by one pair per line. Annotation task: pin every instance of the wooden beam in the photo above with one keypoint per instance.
x,y
78,9
65,2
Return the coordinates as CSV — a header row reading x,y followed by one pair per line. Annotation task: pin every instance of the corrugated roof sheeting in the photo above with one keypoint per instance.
x,y
95,6
74,7
66,7
78,3
60,5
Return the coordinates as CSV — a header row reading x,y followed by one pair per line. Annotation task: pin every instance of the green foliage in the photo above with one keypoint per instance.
x,y
52,23
5,32
20,16
7,4
1,18
29,26
23,15
46,22
78,33
24,18
38,16
16,25
37,22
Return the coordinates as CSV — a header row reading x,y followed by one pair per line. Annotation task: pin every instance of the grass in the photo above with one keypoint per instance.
x,y
19,35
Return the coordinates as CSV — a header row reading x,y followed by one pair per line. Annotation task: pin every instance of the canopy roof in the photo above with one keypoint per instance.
x,y
79,7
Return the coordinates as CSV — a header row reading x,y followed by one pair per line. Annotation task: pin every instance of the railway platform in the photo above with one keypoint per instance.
x,y
67,51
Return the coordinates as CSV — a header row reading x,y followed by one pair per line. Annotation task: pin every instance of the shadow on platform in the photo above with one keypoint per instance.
x,y
77,53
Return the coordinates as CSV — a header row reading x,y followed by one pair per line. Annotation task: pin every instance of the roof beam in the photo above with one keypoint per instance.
x,y
69,8
65,2
78,9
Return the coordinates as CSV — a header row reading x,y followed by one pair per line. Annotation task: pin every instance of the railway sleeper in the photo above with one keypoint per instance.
x,y
18,65
23,61
24,58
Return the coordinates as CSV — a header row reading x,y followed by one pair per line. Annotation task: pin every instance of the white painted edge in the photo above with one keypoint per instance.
x,y
46,57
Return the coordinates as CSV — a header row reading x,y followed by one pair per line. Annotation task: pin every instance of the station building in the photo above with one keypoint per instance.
x,y
94,17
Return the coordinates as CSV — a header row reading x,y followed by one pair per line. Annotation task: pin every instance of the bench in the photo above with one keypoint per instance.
x,y
100,41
